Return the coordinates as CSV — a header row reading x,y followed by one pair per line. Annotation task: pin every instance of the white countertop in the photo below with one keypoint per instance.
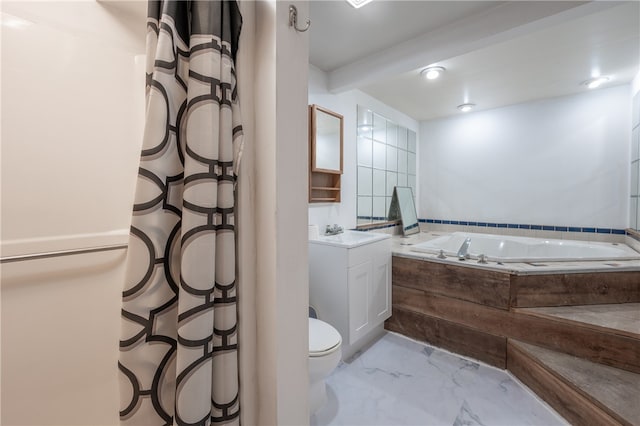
x,y
350,239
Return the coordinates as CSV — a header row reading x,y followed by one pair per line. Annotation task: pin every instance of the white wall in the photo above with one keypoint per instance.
x,y
561,161
282,287
73,98
60,334
247,322
344,213
73,109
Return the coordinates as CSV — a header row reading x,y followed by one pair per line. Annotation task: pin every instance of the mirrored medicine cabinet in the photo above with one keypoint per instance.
x,y
326,139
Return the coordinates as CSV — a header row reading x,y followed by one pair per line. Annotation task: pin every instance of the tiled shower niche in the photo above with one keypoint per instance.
x,y
386,156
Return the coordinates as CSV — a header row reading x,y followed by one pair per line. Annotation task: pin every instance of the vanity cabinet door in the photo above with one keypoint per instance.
x,y
380,302
359,282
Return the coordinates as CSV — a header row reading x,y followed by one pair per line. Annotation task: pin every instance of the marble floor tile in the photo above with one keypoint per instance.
x,y
397,381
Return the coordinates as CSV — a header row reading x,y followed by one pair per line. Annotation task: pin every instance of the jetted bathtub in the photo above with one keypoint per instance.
x,y
505,248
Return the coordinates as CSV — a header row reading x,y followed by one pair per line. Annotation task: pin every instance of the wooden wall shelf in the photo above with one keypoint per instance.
x,y
324,187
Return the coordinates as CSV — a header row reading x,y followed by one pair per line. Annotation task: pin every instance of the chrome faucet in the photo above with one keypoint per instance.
x,y
463,251
333,230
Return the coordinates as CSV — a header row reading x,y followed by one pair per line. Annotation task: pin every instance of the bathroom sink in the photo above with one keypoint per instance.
x,y
350,239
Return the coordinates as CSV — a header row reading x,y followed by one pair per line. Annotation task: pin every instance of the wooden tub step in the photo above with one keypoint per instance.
x,y
607,334
622,318
582,391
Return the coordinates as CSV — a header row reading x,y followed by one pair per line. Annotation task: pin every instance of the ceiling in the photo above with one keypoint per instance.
x,y
347,34
495,53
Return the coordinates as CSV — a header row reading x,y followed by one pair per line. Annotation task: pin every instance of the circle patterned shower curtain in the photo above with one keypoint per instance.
x,y
179,342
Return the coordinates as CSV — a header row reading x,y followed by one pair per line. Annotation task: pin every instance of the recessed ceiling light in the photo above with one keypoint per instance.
x,y
466,107
594,83
431,73
358,3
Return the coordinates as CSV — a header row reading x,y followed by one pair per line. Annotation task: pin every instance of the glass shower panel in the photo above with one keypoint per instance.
x,y
634,215
365,152
379,187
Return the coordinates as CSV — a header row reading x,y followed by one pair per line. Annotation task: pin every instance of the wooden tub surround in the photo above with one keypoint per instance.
x,y
496,314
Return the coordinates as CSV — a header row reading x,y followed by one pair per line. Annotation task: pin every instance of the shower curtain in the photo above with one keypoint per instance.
x,y
179,342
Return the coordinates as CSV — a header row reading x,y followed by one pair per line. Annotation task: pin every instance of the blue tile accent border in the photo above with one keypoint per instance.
x,y
556,228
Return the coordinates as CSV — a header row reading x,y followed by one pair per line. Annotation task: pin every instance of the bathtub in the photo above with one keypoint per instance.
x,y
504,248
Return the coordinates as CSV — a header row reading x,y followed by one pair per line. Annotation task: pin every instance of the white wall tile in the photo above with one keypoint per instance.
x,y
402,179
635,174
411,143
365,181
365,117
365,152
635,144
379,185
379,128
402,138
402,161
392,181
392,158
379,155
379,207
392,133
346,103
365,206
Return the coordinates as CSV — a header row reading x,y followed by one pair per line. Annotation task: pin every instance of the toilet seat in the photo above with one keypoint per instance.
x,y
323,338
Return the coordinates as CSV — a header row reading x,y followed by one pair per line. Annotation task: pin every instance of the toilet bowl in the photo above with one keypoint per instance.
x,y
324,356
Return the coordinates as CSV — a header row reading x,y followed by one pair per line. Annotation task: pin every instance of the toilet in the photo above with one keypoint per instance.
x,y
324,356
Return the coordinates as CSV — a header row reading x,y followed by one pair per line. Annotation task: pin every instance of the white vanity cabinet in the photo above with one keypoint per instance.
x,y
350,285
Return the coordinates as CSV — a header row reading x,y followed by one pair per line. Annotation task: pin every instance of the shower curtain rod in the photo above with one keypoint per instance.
x,y
21,257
